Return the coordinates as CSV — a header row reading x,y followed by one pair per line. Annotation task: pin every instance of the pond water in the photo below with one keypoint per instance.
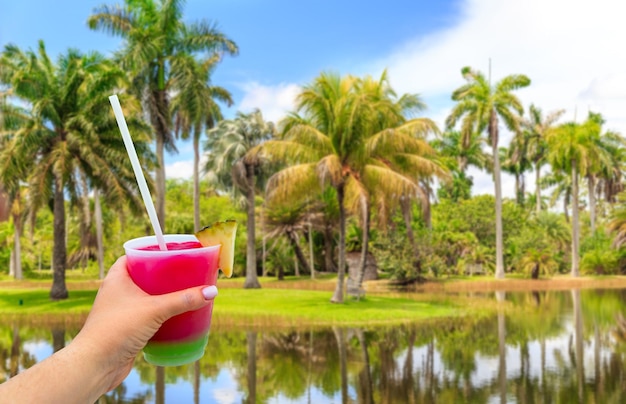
x,y
542,347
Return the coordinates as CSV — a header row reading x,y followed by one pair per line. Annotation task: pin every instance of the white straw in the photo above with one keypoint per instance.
x,y
141,180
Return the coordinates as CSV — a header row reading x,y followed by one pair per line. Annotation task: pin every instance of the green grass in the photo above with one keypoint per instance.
x,y
254,308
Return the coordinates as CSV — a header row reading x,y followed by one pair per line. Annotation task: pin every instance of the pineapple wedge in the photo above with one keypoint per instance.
x,y
221,233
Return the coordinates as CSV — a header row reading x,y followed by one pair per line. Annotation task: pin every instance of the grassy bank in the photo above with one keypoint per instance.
x,y
302,301
254,308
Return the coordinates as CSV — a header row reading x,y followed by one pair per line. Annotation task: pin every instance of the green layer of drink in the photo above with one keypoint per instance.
x,y
175,353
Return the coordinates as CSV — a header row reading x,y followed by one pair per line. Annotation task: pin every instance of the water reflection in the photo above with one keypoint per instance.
x,y
538,347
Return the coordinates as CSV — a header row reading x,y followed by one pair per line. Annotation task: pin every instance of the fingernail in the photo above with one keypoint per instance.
x,y
209,292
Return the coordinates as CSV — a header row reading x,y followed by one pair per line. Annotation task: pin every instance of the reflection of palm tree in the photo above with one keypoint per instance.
x,y
251,343
501,348
578,334
343,362
159,385
366,375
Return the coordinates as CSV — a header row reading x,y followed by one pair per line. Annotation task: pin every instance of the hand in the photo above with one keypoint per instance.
x,y
123,318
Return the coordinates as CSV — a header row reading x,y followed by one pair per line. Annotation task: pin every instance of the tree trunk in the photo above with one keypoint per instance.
x,y
85,225
341,271
59,259
493,132
591,181
99,232
293,240
252,280
405,205
575,222
17,246
365,246
312,259
329,263
196,179
537,187
160,181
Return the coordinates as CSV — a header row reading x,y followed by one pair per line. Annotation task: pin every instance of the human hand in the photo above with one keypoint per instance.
x,y
124,317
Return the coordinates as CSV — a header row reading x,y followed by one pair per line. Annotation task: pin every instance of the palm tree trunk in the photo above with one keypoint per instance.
x,y
493,132
59,259
293,240
17,246
312,259
99,232
341,271
591,181
365,246
575,223
160,181
329,263
537,187
252,280
196,179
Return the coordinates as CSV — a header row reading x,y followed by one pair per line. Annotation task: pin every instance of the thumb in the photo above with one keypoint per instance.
x,y
187,300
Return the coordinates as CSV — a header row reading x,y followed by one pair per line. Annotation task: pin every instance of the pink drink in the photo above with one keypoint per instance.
x,y
185,264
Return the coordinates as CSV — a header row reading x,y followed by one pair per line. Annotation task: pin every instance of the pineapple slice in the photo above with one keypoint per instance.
x,y
221,233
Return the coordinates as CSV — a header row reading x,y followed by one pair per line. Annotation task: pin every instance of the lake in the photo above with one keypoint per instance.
x,y
540,347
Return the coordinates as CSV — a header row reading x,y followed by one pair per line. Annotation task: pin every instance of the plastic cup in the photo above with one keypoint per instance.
x,y
183,338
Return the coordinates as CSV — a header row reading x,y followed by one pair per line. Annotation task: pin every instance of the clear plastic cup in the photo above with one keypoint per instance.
x,y
183,338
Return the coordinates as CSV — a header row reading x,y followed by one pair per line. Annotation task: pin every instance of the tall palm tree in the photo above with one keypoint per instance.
x,y
479,105
536,128
353,139
195,109
230,159
603,161
573,148
68,131
155,40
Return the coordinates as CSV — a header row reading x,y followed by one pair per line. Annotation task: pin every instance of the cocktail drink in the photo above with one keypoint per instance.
x,y
186,263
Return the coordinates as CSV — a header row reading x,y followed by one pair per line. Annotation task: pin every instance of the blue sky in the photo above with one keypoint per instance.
x,y
571,49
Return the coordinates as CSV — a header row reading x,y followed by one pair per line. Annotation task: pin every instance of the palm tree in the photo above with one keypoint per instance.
x,y
67,132
514,162
288,219
536,128
466,150
231,161
479,104
573,148
156,42
352,137
195,109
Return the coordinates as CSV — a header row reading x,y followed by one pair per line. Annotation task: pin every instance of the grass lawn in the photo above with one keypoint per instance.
x,y
275,305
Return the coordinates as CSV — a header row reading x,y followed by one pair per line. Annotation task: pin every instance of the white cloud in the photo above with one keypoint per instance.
x,y
183,169
570,49
273,101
